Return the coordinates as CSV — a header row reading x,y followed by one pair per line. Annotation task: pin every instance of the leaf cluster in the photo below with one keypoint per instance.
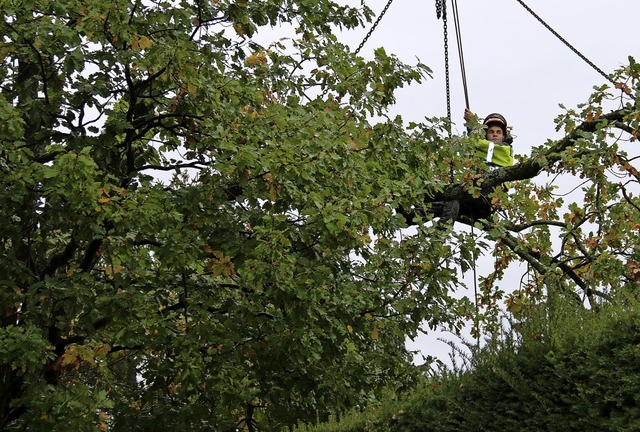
x,y
582,378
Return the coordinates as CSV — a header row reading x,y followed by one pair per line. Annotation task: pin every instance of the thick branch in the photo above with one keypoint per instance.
x,y
531,167
60,259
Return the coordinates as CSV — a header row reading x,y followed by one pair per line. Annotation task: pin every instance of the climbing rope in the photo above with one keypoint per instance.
x,y
375,24
456,22
476,318
555,33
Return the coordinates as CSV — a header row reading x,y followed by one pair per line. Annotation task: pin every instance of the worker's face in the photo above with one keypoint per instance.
x,y
495,134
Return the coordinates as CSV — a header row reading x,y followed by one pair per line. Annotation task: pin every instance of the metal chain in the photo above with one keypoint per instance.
x,y
441,11
555,33
375,24
439,8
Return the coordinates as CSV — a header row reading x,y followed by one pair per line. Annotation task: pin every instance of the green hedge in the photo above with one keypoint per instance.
x,y
580,374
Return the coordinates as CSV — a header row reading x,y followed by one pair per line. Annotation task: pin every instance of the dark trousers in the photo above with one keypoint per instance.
x,y
467,209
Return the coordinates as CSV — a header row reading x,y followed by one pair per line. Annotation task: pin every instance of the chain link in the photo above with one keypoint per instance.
x,y
441,12
555,33
439,6
375,24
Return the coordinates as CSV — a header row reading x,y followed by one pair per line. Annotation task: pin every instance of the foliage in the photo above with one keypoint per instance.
x,y
197,216
583,378
187,217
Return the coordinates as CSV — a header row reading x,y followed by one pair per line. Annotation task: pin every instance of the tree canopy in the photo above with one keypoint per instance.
x,y
198,228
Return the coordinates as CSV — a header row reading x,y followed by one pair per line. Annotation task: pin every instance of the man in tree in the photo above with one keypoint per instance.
x,y
244,291
495,128
495,149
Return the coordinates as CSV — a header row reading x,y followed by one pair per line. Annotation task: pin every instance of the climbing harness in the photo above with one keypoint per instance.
x,y
563,40
373,27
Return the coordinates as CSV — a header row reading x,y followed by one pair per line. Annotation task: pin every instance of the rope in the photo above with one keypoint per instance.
x,y
375,24
476,319
555,33
456,21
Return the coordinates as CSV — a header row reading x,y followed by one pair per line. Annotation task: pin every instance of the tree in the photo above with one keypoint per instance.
x,y
187,217
198,229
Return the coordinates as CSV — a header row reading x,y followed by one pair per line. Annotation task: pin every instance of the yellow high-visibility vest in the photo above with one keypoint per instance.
x,y
493,153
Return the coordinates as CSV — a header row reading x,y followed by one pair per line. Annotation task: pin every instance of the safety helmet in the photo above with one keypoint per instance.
x,y
496,118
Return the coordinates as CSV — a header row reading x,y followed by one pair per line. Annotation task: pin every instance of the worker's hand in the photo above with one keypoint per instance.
x,y
468,115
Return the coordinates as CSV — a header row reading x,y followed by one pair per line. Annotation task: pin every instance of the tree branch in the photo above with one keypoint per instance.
x,y
531,167
534,258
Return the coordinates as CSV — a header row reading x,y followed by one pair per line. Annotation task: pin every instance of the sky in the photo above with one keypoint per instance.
x,y
514,66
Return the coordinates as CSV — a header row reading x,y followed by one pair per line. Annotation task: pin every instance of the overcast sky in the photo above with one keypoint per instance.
x,y
514,65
